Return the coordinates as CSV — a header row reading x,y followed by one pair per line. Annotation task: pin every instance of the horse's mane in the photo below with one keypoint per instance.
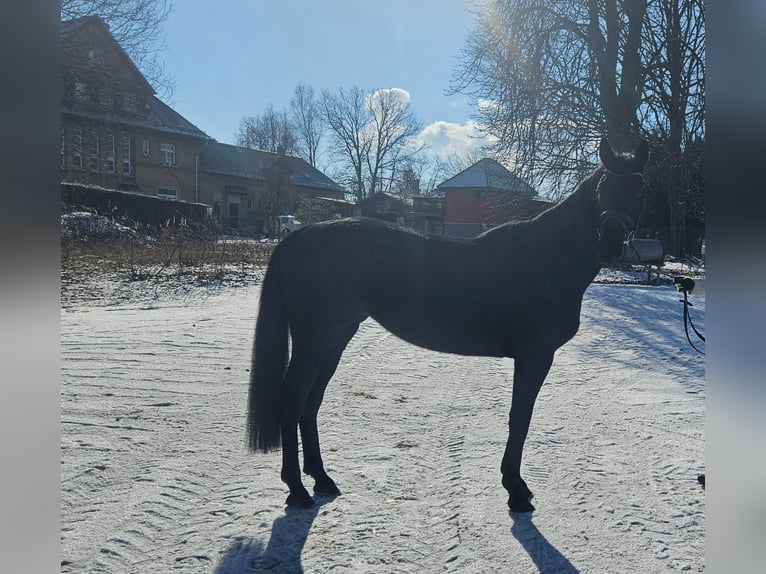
x,y
567,211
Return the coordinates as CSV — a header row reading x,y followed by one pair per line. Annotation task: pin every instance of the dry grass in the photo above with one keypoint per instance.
x,y
172,253
96,266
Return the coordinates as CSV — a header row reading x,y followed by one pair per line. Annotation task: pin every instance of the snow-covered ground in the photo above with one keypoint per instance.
x,y
155,476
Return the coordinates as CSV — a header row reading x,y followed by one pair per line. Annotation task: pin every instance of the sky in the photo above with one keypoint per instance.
x,y
234,58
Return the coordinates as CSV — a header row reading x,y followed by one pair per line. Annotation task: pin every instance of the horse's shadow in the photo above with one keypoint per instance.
x,y
545,556
283,551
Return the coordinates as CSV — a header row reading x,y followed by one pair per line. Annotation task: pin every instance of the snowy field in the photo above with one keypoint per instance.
x,y
155,476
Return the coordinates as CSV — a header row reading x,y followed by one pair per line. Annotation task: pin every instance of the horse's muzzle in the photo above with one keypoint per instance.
x,y
612,217
613,229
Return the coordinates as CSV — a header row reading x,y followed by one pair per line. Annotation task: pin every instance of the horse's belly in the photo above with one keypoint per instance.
x,y
448,338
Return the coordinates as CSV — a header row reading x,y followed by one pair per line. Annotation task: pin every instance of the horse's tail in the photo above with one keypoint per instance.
x,y
270,356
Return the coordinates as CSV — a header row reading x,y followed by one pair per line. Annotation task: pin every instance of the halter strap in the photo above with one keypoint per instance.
x,y
638,173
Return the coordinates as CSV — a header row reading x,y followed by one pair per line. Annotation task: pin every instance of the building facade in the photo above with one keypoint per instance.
x,y
248,188
117,135
115,132
485,195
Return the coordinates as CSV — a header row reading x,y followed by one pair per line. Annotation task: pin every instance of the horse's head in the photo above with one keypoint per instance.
x,y
619,193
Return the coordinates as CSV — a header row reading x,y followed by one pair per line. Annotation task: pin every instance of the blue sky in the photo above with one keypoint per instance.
x,y
234,58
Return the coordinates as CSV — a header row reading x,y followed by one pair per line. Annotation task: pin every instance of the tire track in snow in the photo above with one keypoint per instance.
x,y
414,440
134,499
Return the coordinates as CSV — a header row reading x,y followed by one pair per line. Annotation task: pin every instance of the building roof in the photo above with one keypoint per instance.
x,y
156,115
245,162
159,117
485,174
71,29
165,118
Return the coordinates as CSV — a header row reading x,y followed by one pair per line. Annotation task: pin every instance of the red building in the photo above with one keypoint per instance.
x,y
484,195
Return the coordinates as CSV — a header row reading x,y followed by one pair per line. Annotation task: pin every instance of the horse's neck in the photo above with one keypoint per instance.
x,y
571,235
577,215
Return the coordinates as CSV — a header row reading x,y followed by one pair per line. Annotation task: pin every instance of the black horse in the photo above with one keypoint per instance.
x,y
514,291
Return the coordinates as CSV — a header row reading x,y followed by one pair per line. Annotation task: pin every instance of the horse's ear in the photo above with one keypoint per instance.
x,y
642,155
605,153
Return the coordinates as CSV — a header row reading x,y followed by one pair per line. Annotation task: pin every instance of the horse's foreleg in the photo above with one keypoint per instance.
x,y
529,374
312,457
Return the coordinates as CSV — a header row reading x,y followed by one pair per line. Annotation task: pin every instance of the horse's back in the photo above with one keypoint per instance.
x,y
428,290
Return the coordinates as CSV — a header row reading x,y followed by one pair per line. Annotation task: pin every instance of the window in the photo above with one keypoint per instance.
x,y
94,160
127,165
167,192
105,98
80,92
130,102
77,148
168,153
145,148
110,163
63,148
95,58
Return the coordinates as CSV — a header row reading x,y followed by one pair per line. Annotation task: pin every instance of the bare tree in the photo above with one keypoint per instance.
x,y
347,117
307,119
137,26
408,179
673,111
551,77
278,178
373,134
271,131
393,125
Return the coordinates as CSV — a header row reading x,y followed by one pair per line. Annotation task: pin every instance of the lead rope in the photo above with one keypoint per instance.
x,y
685,284
688,321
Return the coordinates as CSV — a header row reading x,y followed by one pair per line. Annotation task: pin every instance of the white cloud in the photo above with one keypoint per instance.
x,y
447,139
391,94
486,106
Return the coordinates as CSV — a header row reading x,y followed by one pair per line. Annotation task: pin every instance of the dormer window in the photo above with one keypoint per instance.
x,y
95,57
130,102
105,98
81,91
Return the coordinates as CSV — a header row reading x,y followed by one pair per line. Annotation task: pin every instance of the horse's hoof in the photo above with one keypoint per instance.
x,y
525,490
520,505
326,488
518,490
302,500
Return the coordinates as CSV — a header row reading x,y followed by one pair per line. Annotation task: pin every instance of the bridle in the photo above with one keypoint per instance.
x,y
609,216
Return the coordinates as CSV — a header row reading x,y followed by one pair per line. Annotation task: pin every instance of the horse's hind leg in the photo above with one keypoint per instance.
x,y
312,457
528,376
299,379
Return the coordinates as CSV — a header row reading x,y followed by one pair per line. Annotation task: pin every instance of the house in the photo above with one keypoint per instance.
x,y
421,212
427,214
247,187
118,136
115,133
385,206
484,195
